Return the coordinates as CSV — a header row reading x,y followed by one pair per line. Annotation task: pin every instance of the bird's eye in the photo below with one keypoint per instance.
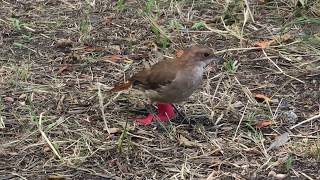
x,y
206,54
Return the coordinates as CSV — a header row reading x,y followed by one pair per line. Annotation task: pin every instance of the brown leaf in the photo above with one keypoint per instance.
x,y
122,167
108,20
73,57
121,87
186,142
116,58
46,148
22,103
261,1
262,98
55,177
279,141
22,96
277,176
114,130
63,68
93,49
277,38
264,123
9,99
179,53
264,43
64,43
282,38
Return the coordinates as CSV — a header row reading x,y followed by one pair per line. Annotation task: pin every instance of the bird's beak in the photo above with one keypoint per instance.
x,y
217,59
214,61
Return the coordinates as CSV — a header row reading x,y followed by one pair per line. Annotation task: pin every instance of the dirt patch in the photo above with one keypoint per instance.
x,y
56,55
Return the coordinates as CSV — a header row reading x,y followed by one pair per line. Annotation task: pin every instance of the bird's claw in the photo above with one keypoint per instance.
x,y
165,113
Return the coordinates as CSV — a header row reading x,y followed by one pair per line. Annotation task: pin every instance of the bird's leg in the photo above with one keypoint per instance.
x,y
147,120
182,115
165,112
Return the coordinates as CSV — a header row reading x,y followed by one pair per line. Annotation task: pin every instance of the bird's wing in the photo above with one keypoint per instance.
x,y
159,75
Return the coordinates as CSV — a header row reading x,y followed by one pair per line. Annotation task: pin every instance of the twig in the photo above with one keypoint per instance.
x,y
237,49
249,11
230,31
272,61
306,176
102,108
305,121
2,124
235,134
246,91
46,138
296,136
281,71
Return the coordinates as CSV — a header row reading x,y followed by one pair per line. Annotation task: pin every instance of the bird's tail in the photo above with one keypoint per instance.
x,y
121,86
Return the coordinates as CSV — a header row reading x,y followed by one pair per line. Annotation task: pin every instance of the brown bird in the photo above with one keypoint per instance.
x,y
170,82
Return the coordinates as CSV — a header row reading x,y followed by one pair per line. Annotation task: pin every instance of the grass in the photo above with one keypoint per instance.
x,y
231,66
15,22
57,117
120,5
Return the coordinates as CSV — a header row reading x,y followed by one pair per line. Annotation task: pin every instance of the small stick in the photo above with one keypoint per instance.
x,y
235,134
295,136
280,70
102,108
250,13
45,137
305,121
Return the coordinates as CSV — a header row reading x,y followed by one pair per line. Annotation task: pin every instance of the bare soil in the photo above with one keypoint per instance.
x,y
55,56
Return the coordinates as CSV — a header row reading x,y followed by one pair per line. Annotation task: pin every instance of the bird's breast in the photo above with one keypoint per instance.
x,y
184,85
181,88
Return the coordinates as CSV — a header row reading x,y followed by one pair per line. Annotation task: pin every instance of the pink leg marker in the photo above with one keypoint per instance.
x,y
145,121
165,113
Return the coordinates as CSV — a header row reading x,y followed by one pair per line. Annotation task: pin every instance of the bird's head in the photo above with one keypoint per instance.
x,y
200,55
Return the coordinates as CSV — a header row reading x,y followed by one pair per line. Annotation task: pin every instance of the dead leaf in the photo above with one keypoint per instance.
x,y
121,86
277,38
46,148
279,141
261,1
108,20
262,98
64,43
122,167
73,57
5,152
282,38
264,123
276,176
114,130
9,99
179,53
55,177
116,58
22,96
63,68
186,142
22,103
93,49
264,43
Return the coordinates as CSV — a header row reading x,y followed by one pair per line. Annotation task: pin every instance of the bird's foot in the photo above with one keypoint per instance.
x,y
165,113
145,121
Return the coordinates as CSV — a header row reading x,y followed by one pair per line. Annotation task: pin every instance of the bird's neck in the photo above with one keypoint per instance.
x,y
196,64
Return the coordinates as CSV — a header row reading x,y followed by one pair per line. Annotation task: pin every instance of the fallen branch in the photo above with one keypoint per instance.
x,y
305,121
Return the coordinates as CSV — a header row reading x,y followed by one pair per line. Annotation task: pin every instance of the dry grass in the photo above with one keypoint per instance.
x,y
57,118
